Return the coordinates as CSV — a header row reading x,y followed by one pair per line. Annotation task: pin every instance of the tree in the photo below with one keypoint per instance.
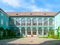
x,y
58,29
1,32
51,33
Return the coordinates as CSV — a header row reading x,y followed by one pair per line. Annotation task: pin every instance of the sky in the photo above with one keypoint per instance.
x,y
30,5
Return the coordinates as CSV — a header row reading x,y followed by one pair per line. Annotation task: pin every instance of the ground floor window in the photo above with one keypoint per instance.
x,y
28,31
45,30
23,30
39,31
34,30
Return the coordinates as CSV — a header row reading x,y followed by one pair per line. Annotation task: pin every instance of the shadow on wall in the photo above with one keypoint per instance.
x,y
13,26
52,42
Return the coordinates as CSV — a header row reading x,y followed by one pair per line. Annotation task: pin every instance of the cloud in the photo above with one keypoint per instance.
x,y
26,4
35,8
13,3
9,10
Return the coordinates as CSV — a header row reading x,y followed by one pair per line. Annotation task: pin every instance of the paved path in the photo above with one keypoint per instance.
x,y
30,41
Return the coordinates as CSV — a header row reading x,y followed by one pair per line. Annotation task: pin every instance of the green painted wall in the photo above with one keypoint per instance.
x,y
5,18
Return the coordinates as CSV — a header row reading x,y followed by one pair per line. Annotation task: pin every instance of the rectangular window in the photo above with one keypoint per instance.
x,y
1,14
28,21
17,21
34,21
50,21
40,21
6,23
22,21
1,21
45,21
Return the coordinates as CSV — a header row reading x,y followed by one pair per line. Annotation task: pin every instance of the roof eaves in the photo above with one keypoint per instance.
x,y
3,11
57,13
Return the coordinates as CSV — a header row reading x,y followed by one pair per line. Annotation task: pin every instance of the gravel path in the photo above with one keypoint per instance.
x,y
30,41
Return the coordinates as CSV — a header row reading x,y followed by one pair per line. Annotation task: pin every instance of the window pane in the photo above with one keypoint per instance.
x,y
34,31
22,21
34,21
45,21
40,30
28,21
29,31
40,21
45,31
12,22
18,21
23,30
50,21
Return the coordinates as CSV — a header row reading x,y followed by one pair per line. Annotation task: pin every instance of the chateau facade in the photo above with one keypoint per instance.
x,y
30,23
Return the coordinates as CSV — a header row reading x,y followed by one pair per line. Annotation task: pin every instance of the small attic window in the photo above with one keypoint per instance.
x,y
44,13
30,13
16,14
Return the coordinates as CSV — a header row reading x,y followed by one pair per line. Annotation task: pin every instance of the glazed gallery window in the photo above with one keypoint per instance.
x,y
1,21
28,21
45,21
50,21
12,22
34,30
2,14
34,21
40,21
45,30
17,21
40,30
28,30
22,21
23,30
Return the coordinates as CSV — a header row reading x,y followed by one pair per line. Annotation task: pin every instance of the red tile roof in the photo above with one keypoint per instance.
x,y
31,13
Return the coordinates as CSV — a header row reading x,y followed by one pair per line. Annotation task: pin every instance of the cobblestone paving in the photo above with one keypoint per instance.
x,y
30,41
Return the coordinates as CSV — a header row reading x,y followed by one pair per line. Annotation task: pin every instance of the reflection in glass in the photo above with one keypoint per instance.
x,y
40,21
40,30
45,30
28,21
34,21
45,21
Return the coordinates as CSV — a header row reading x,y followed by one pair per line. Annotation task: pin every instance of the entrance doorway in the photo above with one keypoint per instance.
x,y
28,31
32,32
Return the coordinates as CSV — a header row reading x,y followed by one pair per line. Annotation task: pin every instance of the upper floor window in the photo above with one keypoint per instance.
x,y
18,21
2,21
50,21
28,21
1,14
22,21
6,23
45,21
34,21
40,21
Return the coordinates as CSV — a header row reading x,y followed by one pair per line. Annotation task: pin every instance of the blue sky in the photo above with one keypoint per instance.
x,y
30,5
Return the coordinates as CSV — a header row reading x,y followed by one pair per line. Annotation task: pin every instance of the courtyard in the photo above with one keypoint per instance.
x,y
30,41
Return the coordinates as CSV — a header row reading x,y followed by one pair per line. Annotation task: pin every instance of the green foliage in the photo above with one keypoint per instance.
x,y
8,33
51,34
58,29
1,28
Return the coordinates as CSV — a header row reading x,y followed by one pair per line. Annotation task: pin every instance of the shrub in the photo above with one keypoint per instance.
x,y
51,34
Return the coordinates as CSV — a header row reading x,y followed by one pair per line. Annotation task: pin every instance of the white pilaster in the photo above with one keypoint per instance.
x,y
42,26
31,28
48,24
15,21
20,25
25,26
37,26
